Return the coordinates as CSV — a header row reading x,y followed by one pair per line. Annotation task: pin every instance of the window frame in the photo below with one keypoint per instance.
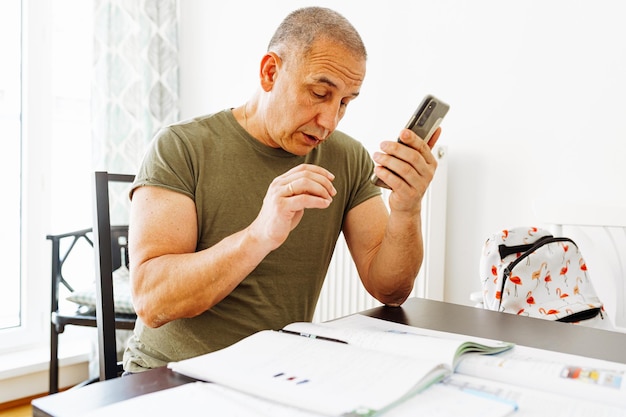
x,y
35,221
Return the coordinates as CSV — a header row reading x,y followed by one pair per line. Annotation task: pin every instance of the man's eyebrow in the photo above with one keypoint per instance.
x,y
324,80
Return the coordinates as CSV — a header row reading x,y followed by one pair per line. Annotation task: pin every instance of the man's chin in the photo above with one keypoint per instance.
x,y
302,148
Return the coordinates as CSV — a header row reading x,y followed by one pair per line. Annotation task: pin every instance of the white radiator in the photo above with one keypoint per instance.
x,y
343,293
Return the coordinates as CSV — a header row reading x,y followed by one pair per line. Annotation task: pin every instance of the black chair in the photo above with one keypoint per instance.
x,y
62,247
66,248
110,195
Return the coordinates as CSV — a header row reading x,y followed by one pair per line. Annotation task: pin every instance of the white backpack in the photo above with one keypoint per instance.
x,y
527,271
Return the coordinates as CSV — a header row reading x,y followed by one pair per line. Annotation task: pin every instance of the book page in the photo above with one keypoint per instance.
x,y
400,339
552,372
537,402
443,400
327,377
201,398
559,373
448,399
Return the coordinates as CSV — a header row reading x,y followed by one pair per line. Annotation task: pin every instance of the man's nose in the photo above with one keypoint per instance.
x,y
330,116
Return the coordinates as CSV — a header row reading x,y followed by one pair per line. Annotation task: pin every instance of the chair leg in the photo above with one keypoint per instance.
x,y
54,360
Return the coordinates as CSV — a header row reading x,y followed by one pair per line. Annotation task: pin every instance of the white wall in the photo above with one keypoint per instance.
x,y
537,91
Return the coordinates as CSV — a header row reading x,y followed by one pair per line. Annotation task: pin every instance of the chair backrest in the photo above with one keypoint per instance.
x,y
63,246
600,231
110,224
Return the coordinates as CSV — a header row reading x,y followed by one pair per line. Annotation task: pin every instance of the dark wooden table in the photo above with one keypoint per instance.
x,y
525,331
78,401
428,314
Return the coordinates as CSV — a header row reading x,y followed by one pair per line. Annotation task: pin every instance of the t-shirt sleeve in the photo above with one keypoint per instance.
x,y
168,163
364,189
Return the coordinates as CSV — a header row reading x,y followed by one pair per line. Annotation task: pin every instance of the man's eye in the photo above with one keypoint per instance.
x,y
319,95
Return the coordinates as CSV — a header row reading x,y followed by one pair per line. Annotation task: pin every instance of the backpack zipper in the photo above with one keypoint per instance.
x,y
506,274
505,250
582,315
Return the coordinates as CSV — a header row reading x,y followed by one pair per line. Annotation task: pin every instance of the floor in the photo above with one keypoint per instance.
x,y
20,411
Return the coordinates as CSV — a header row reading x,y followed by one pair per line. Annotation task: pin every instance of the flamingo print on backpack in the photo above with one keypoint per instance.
x,y
527,271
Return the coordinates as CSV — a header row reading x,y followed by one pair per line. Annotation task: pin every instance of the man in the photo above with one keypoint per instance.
x,y
235,215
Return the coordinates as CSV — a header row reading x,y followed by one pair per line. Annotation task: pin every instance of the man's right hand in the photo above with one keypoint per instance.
x,y
302,187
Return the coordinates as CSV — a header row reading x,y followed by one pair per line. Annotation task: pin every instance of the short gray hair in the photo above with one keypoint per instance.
x,y
302,27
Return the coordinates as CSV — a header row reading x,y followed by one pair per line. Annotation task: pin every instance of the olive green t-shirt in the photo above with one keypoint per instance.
x,y
227,172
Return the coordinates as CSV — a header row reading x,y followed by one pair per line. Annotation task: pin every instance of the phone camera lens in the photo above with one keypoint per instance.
x,y
430,109
427,112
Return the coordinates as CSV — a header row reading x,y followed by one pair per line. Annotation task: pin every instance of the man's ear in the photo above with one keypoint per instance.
x,y
270,64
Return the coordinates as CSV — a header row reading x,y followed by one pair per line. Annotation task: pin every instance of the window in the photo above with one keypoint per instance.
x,y
46,158
10,168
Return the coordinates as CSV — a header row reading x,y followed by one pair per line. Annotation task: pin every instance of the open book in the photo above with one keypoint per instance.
x,y
356,366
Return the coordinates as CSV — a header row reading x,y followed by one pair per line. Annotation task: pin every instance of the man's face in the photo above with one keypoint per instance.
x,y
308,96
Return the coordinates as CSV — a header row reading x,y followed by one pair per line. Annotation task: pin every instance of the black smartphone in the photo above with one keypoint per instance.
x,y
423,122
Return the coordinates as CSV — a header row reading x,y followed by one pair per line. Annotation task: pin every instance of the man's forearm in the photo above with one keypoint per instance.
x,y
397,263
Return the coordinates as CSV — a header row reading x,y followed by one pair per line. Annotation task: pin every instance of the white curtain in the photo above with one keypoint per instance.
x,y
134,88
135,81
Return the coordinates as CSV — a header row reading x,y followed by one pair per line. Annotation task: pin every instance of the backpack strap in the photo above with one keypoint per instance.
x,y
511,250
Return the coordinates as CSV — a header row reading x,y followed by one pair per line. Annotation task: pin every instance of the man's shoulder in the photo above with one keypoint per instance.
x,y
199,129
223,117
